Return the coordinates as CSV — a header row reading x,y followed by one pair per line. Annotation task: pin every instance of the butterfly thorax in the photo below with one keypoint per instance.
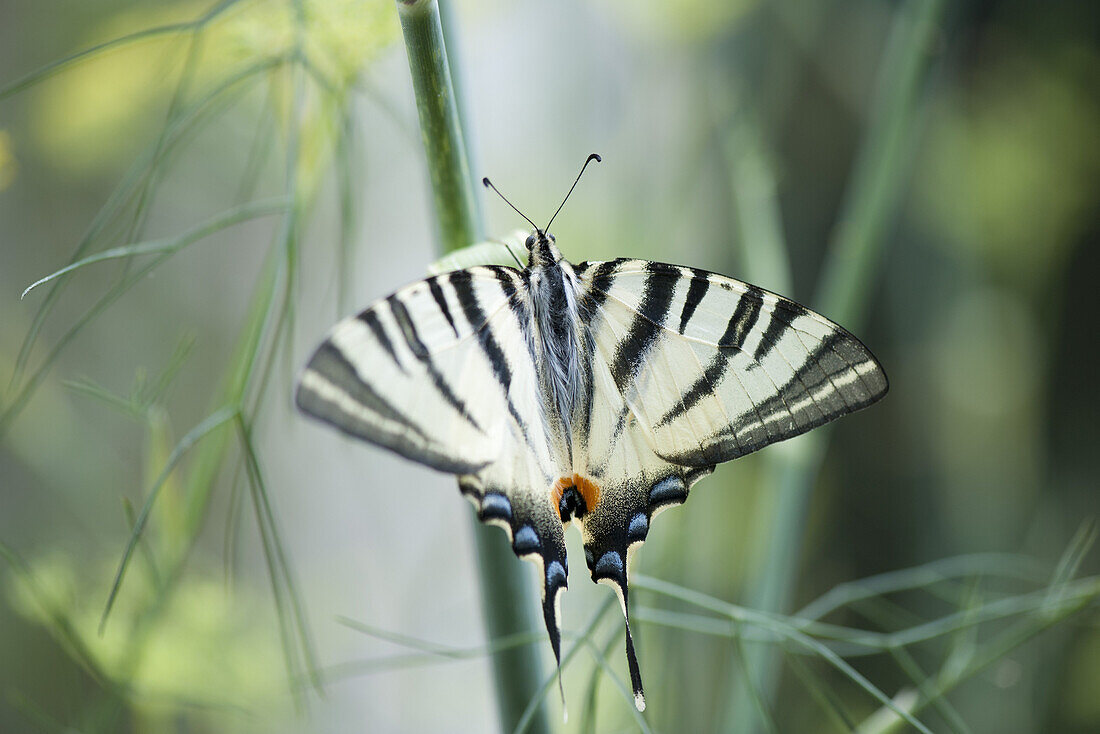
x,y
553,291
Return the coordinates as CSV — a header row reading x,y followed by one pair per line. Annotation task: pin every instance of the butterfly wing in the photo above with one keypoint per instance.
x,y
690,369
714,368
442,373
634,483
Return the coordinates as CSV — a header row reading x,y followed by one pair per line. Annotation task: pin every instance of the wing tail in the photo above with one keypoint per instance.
x,y
610,570
554,583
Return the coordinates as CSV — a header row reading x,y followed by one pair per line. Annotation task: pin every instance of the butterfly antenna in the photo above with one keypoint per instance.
x,y
489,184
593,157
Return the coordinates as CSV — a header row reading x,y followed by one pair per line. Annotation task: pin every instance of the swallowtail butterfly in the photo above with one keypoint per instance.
x,y
597,392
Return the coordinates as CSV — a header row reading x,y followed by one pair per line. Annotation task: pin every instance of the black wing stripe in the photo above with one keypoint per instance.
x,y
516,305
784,313
589,376
370,318
505,277
644,330
331,364
744,319
460,281
408,329
589,307
602,278
612,442
705,385
698,288
441,301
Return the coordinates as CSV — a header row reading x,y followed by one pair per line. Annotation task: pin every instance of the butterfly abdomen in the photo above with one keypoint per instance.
x,y
553,299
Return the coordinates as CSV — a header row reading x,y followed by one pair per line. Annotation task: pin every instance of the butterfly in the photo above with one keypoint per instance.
x,y
597,393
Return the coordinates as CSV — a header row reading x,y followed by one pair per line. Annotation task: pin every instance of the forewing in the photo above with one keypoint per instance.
x,y
714,368
408,374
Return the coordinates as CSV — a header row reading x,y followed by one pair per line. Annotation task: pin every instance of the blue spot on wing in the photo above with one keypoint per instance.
x,y
495,506
668,491
555,576
526,541
639,527
610,565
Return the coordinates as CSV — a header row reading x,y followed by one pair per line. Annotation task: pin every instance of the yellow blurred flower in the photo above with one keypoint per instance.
x,y
89,116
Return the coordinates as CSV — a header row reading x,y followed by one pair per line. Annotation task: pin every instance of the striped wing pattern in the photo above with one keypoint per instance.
x,y
442,373
713,368
690,369
684,369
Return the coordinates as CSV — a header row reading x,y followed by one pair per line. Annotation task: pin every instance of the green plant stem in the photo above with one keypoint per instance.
x,y
505,589
871,201
454,62
453,194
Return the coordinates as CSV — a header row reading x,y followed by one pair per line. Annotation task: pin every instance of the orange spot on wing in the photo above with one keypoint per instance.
x,y
589,490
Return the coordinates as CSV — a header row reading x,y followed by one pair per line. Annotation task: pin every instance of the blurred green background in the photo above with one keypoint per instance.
x,y
956,141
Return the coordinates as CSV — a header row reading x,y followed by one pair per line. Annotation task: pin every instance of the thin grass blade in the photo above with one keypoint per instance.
x,y
204,428
236,215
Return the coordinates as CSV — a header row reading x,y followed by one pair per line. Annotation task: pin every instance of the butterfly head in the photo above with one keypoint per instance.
x,y
543,250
